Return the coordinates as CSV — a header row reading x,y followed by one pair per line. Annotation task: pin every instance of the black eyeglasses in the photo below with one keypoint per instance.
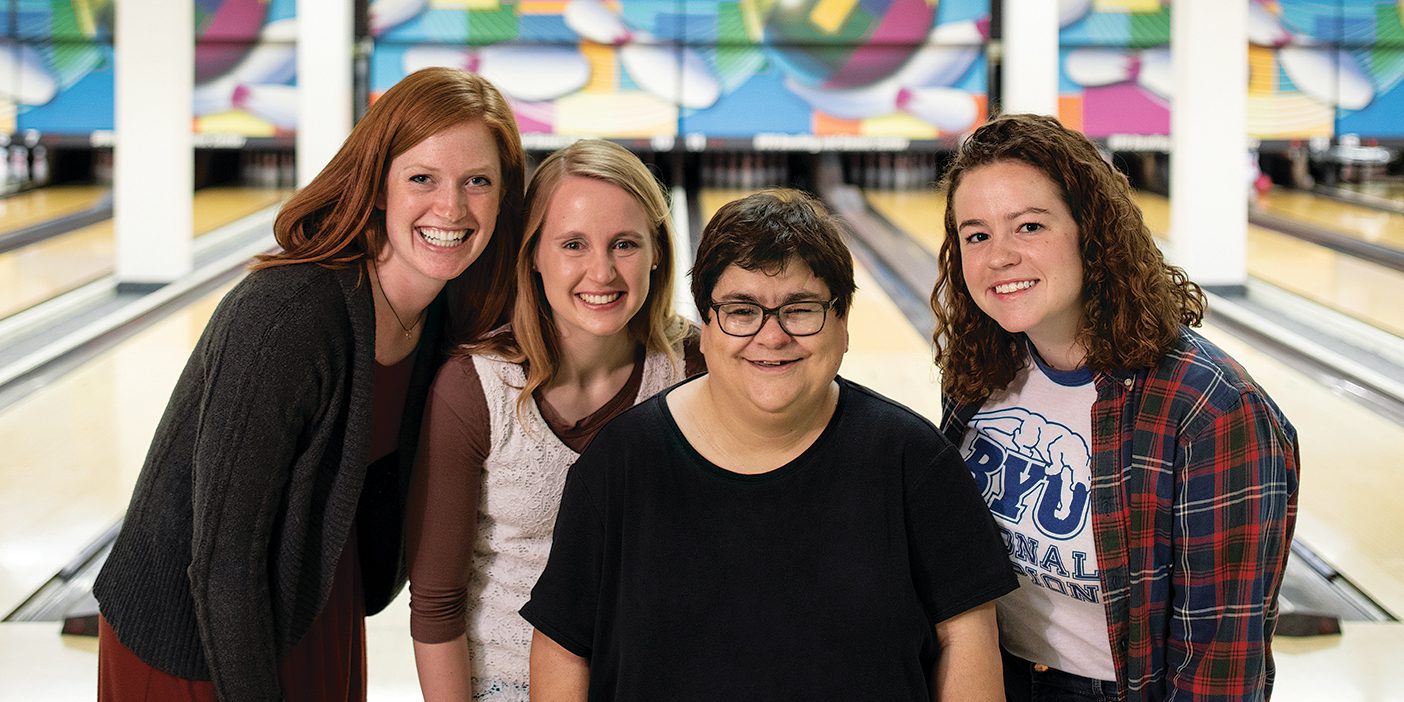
x,y
796,318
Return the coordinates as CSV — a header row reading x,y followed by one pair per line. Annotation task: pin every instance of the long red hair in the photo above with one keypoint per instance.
x,y
334,221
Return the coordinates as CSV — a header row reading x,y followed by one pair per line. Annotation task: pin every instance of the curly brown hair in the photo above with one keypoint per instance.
x,y
1133,302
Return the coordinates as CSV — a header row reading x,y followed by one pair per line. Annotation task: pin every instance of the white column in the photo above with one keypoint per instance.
x,y
1209,141
325,98
1029,76
153,167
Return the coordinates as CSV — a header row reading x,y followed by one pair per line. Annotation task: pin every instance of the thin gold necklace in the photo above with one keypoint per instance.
x,y
409,331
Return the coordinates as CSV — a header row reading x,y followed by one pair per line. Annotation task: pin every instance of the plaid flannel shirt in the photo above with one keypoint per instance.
x,y
1194,498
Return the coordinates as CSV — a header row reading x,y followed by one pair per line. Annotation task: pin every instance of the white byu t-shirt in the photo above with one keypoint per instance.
x,y
1030,451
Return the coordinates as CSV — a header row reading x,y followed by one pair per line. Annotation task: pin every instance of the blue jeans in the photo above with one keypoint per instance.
x,y
1025,682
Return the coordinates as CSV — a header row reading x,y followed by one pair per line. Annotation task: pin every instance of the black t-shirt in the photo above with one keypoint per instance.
x,y
820,580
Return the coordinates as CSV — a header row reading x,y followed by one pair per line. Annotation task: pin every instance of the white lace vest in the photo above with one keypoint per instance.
x,y
522,481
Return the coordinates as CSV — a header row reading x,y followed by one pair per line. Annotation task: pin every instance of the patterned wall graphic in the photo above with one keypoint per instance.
x,y
56,66
1316,68
729,68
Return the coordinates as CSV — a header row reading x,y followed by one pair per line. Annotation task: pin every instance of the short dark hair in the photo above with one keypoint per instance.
x,y
765,231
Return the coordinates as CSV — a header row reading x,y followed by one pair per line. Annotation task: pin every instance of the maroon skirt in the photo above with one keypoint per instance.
x,y
329,663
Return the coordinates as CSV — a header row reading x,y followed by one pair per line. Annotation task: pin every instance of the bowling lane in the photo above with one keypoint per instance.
x,y
27,209
46,269
1352,286
1365,223
1391,190
1348,514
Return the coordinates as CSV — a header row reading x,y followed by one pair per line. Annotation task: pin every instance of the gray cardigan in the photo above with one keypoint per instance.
x,y
255,475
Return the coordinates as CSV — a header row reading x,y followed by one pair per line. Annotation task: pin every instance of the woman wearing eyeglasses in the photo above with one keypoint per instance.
x,y
770,530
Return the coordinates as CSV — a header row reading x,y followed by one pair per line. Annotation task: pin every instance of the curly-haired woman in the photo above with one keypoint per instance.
x,y
1146,485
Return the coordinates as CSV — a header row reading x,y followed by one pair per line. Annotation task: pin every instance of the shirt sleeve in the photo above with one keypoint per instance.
x,y
442,523
564,601
1233,514
958,559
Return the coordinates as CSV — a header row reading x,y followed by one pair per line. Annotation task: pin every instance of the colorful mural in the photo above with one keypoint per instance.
x,y
730,68
913,69
1316,68
56,66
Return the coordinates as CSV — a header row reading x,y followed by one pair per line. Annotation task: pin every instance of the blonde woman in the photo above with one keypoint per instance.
x,y
592,333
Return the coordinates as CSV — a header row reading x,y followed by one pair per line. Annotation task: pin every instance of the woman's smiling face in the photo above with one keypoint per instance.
x,y
1019,252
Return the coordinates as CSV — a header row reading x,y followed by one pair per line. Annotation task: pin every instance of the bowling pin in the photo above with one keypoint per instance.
x,y
386,15
529,73
950,50
1150,69
949,109
275,104
272,61
19,164
674,73
1070,11
1264,27
30,82
1330,76
287,170
1094,68
849,103
214,96
595,22
1157,74
40,170
937,65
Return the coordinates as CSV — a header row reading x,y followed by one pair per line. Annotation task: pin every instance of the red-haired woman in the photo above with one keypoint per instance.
x,y
593,333
266,522
1145,483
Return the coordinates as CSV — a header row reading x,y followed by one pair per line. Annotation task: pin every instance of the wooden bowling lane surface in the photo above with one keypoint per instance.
x,y
1365,223
1391,190
27,209
919,213
1350,480
1352,286
46,269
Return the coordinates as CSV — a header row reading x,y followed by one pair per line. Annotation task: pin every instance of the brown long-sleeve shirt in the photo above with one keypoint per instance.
x,y
447,485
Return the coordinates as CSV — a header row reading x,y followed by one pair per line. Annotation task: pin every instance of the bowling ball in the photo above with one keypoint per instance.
x,y
839,43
